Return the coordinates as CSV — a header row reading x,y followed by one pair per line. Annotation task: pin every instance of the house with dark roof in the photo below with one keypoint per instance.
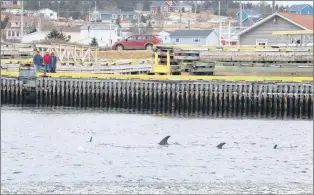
x,y
303,9
169,6
249,16
124,16
13,29
194,37
260,33
10,4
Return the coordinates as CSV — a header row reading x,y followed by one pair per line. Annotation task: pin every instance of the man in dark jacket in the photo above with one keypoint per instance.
x,y
53,62
37,61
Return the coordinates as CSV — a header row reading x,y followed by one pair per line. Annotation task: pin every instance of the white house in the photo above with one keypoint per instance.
x,y
164,36
71,33
106,34
48,14
35,37
13,30
14,11
195,37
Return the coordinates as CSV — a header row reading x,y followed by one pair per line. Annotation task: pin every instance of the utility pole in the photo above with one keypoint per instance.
x,y
110,33
138,25
89,14
22,20
229,33
58,8
219,22
240,15
274,6
219,11
95,13
180,20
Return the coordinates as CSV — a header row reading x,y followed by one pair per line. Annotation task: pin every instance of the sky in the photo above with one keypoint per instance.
x,y
286,2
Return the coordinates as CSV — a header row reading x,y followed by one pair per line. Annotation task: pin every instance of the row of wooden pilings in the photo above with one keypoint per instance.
x,y
207,98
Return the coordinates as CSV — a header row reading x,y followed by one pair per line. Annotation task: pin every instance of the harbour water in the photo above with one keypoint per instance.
x,y
48,150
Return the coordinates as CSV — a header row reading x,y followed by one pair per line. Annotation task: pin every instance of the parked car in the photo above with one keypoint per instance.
x,y
137,42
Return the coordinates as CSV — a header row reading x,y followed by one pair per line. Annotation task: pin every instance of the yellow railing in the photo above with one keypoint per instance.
x,y
168,77
162,68
298,32
240,48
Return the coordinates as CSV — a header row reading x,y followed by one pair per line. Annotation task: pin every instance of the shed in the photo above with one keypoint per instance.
x,y
164,36
303,9
106,33
195,37
48,13
261,32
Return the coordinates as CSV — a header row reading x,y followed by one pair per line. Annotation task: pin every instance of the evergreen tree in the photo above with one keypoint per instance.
x,y
118,22
4,22
55,34
149,28
94,42
143,19
146,5
149,25
32,30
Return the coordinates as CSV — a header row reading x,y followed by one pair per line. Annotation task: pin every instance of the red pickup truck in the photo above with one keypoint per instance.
x,y
139,42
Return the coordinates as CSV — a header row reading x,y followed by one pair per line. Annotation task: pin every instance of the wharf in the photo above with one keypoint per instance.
x,y
209,98
146,77
260,61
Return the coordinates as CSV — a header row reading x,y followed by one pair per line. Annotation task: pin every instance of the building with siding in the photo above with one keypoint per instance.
x,y
169,6
105,34
260,33
194,37
249,17
72,34
114,15
13,29
303,9
10,4
164,36
48,14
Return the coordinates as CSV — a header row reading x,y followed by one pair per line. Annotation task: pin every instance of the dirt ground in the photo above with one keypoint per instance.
x,y
121,55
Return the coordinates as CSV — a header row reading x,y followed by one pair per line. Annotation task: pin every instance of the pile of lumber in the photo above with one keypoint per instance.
x,y
132,54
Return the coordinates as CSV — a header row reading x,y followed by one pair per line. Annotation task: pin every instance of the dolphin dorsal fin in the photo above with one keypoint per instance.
x,y
219,146
164,141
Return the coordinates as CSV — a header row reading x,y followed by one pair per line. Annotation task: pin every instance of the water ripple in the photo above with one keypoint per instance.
x,y
124,157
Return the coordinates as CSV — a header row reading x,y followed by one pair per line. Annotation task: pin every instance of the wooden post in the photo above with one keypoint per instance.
x,y
168,63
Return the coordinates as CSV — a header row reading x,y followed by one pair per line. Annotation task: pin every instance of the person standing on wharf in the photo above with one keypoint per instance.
x,y
47,65
37,61
53,62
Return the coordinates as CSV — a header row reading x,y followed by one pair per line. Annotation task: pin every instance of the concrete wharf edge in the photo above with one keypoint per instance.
x,y
205,98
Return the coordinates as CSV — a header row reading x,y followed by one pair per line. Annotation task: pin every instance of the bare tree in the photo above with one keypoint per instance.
x,y
159,18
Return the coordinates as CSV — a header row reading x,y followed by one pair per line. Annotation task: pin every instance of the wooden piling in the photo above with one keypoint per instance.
x,y
211,99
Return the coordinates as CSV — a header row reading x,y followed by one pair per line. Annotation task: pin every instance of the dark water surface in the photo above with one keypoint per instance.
x,y
47,150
